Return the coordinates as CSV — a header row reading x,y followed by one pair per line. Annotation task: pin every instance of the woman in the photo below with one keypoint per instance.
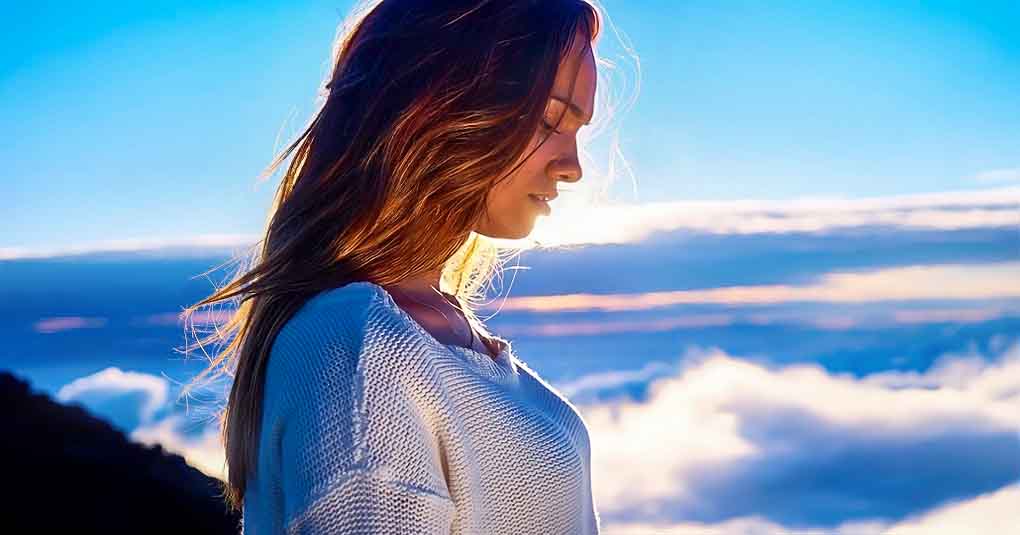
x,y
367,396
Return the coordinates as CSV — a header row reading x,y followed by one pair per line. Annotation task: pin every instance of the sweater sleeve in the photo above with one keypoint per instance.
x,y
359,454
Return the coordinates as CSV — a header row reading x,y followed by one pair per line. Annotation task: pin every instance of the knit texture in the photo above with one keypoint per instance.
x,y
372,426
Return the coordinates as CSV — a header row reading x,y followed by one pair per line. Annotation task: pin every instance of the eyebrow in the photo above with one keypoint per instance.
x,y
573,108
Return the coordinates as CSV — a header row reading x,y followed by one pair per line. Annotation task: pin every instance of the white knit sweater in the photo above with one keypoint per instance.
x,y
372,426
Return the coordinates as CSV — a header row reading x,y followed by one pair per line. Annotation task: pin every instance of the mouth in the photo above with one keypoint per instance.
x,y
542,201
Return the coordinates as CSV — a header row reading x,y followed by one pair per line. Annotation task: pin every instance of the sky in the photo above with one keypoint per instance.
x,y
815,287
152,121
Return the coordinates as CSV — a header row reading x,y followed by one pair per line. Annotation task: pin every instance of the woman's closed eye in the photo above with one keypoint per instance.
x,y
547,126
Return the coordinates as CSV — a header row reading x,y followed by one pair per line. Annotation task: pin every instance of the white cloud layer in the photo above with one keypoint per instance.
x,y
626,223
178,246
728,429
993,512
944,281
629,223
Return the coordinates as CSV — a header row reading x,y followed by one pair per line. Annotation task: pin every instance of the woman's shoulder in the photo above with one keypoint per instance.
x,y
337,311
340,343
354,302
356,319
350,299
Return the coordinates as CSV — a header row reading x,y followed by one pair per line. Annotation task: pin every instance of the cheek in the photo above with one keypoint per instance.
x,y
531,175
516,188
526,179
506,196
511,213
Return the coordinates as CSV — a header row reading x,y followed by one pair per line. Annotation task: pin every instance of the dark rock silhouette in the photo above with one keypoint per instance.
x,y
67,471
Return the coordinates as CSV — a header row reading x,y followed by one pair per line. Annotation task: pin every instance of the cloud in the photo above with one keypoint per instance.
x,y
198,318
947,281
951,315
993,512
177,247
139,404
66,323
737,526
616,383
834,319
204,451
999,176
726,440
630,223
593,328
126,399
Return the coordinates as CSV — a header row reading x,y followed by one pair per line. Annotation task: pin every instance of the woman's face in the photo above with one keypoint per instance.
x,y
512,206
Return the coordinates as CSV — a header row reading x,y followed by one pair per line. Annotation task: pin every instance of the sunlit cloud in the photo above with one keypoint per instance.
x,y
127,399
627,223
713,441
836,319
630,223
174,246
592,328
204,451
843,319
67,323
946,281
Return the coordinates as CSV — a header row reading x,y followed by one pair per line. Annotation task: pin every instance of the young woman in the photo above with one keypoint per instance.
x,y
367,397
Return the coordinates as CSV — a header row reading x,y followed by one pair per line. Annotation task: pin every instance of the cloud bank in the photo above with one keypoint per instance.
x,y
630,223
728,446
948,281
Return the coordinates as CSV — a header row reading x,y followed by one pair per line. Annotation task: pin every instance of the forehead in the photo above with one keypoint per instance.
x,y
577,68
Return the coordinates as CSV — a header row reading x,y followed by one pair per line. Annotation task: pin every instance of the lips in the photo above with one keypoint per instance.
x,y
548,196
542,205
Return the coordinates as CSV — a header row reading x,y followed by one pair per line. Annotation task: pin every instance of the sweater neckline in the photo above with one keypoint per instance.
x,y
501,366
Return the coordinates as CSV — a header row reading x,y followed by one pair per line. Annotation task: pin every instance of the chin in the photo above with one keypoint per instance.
x,y
524,230
522,235
510,232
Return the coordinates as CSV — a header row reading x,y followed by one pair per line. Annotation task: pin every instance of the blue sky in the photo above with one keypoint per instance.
x,y
132,121
859,315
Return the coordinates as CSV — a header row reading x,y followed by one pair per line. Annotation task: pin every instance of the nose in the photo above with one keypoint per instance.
x,y
566,168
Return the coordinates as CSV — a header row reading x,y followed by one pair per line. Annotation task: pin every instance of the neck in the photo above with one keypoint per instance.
x,y
421,285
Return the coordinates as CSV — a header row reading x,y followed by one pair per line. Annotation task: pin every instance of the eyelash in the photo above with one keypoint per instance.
x,y
548,126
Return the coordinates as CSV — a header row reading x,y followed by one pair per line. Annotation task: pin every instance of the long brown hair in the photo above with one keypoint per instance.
x,y
428,106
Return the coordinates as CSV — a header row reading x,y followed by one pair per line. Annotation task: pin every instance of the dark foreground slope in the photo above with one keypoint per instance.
x,y
66,471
